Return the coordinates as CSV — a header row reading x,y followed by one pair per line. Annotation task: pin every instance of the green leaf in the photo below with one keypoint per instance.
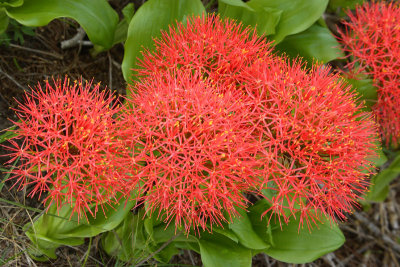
x,y
315,43
129,240
96,17
265,19
164,255
121,31
11,3
56,228
148,226
381,157
162,233
152,17
7,173
378,195
3,20
260,224
219,251
122,27
380,182
243,228
226,232
294,245
335,4
8,134
296,16
42,232
103,222
188,245
366,89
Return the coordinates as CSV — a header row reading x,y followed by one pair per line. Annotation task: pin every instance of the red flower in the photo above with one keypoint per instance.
x,y
315,140
194,144
218,49
66,145
298,134
372,37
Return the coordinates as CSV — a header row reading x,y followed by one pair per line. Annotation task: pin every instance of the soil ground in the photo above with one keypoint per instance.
x,y
372,233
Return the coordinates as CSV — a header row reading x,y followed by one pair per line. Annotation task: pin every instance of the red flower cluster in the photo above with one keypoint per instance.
x,y
195,143
67,145
314,140
216,116
218,50
298,134
372,37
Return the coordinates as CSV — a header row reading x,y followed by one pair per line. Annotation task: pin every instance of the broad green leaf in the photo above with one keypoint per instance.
x,y
148,226
226,232
339,4
188,245
219,251
42,232
379,184
260,224
129,240
264,19
164,255
243,228
122,28
314,44
3,21
11,3
103,222
96,17
294,246
297,15
381,158
163,233
147,23
377,195
57,228
366,89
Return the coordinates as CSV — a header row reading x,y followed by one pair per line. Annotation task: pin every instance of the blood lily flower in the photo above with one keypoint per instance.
x,y
372,38
66,146
193,142
217,49
217,115
316,142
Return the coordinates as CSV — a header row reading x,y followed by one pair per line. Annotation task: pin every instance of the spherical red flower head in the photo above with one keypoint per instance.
x,y
316,140
218,49
194,144
66,146
372,38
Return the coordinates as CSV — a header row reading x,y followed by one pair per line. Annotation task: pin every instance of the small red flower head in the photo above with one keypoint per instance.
x,y
372,37
66,145
315,139
218,49
193,142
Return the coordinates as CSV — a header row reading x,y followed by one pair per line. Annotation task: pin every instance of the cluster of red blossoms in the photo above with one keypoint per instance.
x,y
372,37
67,144
217,116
